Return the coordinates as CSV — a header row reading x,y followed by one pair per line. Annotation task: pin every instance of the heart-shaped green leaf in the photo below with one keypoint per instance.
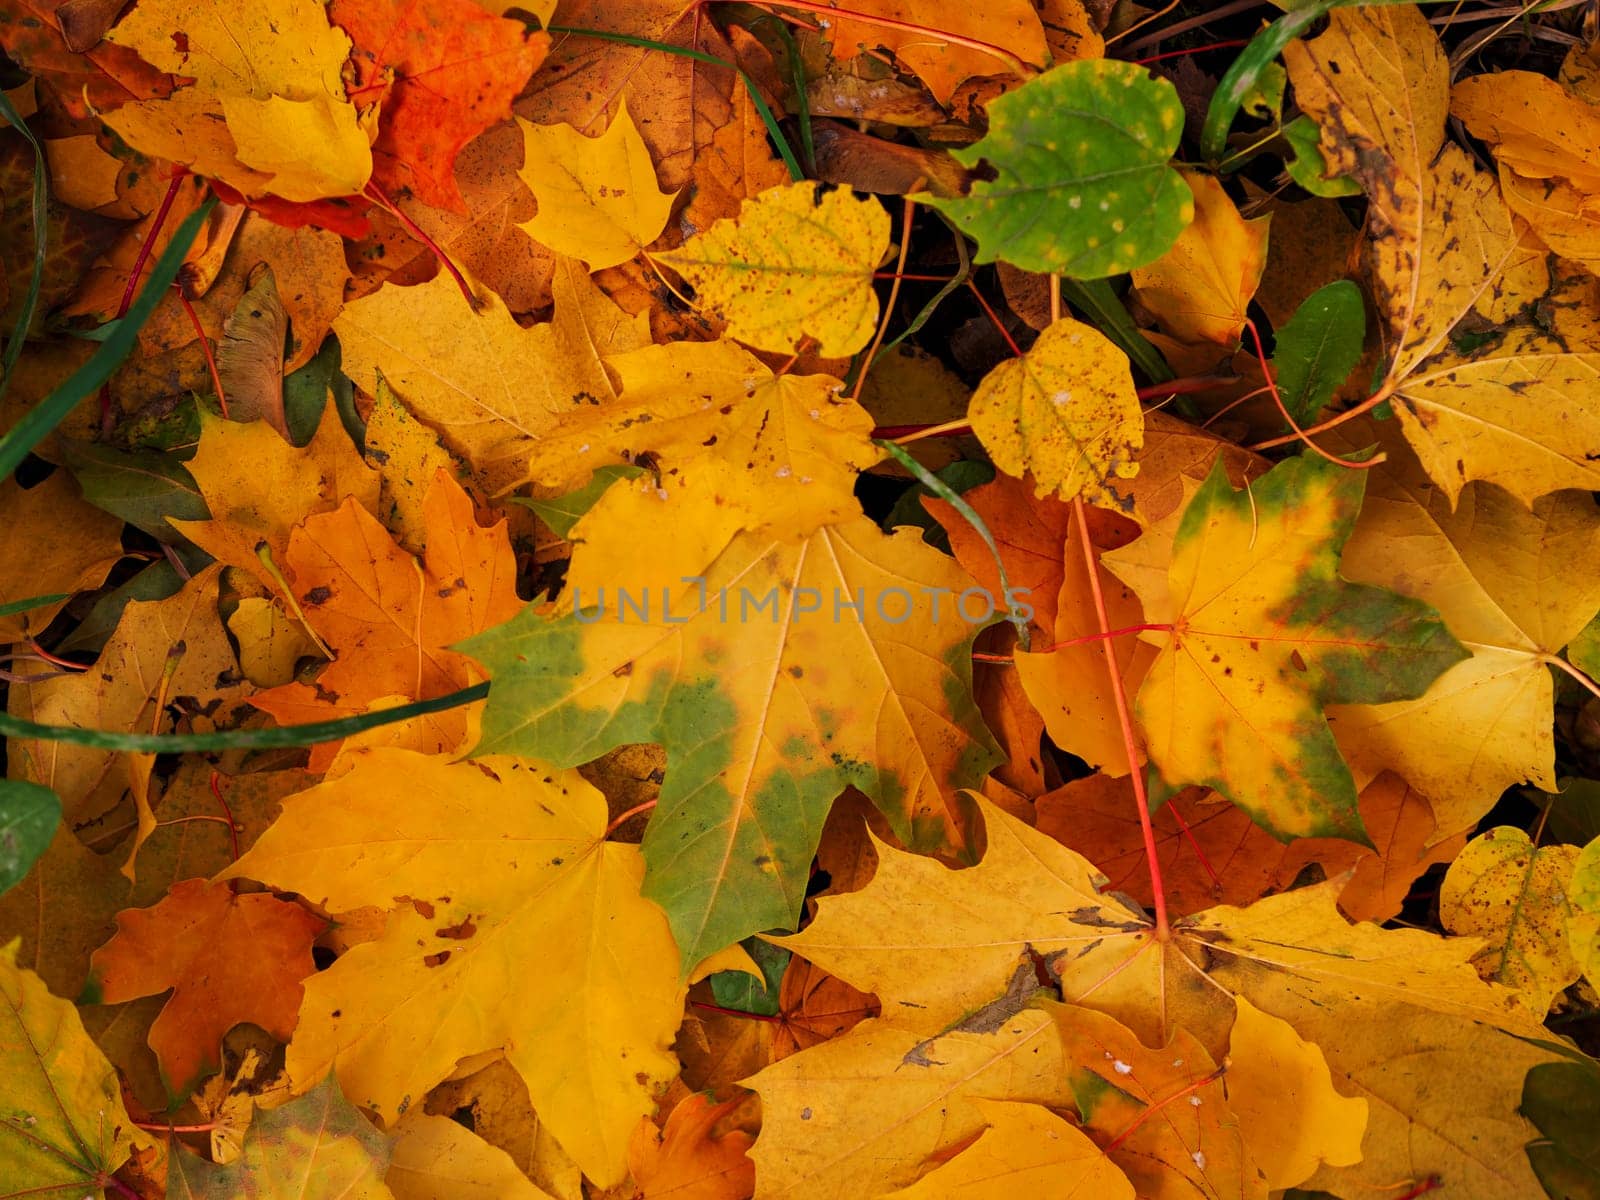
x,y
1082,184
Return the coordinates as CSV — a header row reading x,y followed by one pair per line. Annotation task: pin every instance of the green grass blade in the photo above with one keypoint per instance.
x,y
17,606
43,417
283,737
952,497
41,201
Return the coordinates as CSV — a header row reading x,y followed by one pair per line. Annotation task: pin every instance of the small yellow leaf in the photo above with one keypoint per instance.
x,y
1201,287
1066,411
1271,1066
310,148
259,487
1027,1150
598,198
797,263
1513,894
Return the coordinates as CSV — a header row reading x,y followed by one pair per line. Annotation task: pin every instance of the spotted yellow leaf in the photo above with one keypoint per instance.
x,y
796,263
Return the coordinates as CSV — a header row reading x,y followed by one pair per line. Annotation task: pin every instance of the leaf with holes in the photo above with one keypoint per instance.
x,y
1513,895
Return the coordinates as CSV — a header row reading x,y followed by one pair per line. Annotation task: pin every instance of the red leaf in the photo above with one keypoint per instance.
x,y
455,70
105,77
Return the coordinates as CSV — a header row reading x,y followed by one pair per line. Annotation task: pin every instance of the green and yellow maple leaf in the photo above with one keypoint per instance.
x,y
1264,635
63,1127
743,656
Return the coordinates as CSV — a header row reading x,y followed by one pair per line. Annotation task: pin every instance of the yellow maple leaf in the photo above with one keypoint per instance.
x,y
1542,132
1500,574
1201,288
503,863
266,112
259,487
1512,409
597,197
1026,1149
796,263
1066,412
1270,1065
1027,891
489,386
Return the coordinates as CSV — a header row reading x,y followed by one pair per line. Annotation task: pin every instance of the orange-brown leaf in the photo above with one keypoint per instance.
x,y
387,617
686,1162
227,959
